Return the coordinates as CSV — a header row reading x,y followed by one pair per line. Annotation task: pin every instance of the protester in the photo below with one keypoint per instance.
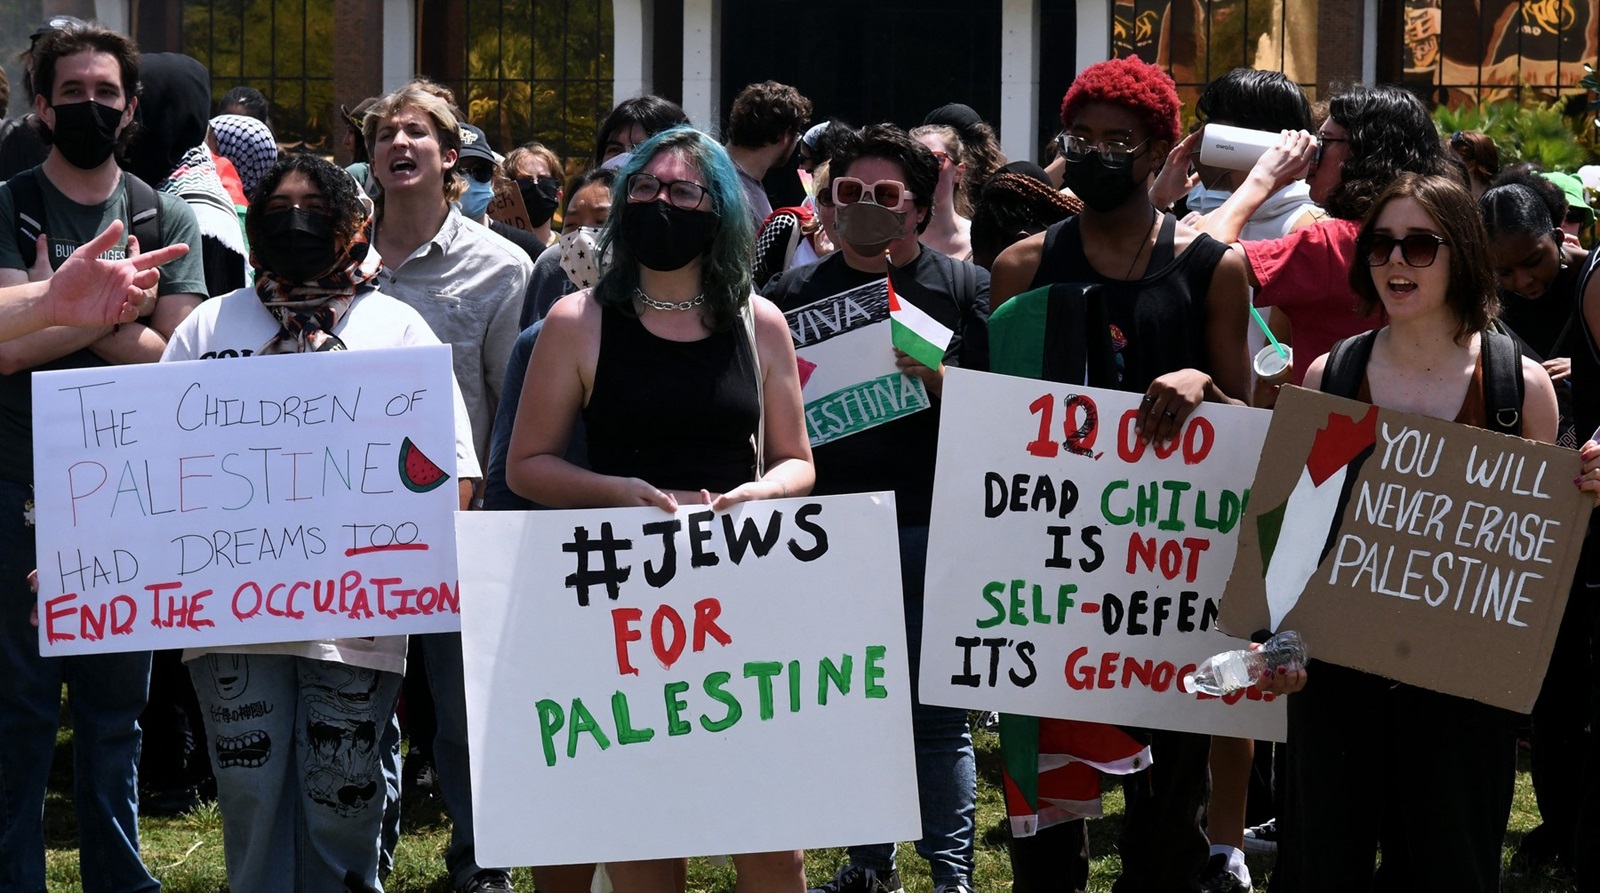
x,y
1017,202
535,171
469,284
248,144
676,301
87,79
1422,261
1175,307
21,145
1481,157
950,230
169,152
248,101
881,185
485,176
1371,135
285,826
764,128
632,122
575,263
983,155
1541,287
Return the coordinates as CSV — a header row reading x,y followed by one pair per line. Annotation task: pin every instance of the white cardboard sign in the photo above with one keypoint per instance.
x,y
683,685
1075,573
269,499
848,379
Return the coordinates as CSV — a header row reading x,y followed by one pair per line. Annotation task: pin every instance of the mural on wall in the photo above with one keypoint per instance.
x,y
1486,49
1198,40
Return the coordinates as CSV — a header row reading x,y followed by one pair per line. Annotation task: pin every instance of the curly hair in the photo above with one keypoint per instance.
x,y
1390,133
765,113
1473,295
340,195
725,274
1133,84
1013,203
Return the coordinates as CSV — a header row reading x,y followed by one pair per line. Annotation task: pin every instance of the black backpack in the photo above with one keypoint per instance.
x,y
27,196
1502,375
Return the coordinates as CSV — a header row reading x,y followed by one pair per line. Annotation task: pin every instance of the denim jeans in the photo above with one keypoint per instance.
x,y
442,651
105,695
295,745
946,773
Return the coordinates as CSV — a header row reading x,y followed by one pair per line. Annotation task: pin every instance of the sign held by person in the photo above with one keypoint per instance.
x,y
1432,553
709,666
280,499
1075,571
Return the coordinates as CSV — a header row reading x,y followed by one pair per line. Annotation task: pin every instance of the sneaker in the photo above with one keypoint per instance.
x,y
952,888
1262,838
855,879
1216,878
489,880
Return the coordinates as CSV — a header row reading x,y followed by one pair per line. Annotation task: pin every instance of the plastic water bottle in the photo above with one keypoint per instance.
x,y
1230,671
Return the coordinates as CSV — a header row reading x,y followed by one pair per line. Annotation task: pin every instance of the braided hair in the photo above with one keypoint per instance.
x,y
1011,207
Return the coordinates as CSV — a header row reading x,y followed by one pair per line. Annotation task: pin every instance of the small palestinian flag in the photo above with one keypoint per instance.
x,y
913,330
1312,513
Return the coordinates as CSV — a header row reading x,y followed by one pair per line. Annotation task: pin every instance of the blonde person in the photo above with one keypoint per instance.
x,y
949,230
536,172
635,356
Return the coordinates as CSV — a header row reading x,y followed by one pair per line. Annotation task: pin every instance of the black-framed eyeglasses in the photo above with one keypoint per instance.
x,y
685,194
482,171
1113,153
1416,249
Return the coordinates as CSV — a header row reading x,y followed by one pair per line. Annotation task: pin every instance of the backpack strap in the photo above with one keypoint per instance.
x,y
144,212
1503,388
1347,365
27,197
27,203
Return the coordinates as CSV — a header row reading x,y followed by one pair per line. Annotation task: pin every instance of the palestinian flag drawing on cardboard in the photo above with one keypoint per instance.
x,y
1428,552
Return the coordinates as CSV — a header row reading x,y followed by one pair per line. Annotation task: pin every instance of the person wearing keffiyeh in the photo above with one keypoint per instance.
x,y
249,144
277,784
169,152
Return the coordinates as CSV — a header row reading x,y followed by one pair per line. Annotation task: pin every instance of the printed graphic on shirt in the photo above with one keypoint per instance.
x,y
845,352
61,249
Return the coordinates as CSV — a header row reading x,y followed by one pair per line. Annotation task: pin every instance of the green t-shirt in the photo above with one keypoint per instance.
x,y
67,225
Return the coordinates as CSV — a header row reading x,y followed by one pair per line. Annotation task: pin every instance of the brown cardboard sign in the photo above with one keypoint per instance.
x,y
1425,551
508,208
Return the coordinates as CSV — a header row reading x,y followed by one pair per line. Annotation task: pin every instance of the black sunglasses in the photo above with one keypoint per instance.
x,y
1417,249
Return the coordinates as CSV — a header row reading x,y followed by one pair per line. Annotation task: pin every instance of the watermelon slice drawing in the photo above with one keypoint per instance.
x,y
418,471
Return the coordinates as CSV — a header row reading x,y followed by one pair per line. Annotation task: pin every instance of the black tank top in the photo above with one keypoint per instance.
x,y
679,414
1157,323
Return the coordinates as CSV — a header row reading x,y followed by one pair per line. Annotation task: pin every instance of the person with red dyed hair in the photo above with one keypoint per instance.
x,y
1162,310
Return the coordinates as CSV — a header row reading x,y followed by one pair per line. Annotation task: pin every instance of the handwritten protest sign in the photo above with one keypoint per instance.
x,y
686,685
508,207
1074,572
269,499
1422,550
848,379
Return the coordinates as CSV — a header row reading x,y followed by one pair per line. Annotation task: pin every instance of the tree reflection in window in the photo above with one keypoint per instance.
x,y
284,48
538,70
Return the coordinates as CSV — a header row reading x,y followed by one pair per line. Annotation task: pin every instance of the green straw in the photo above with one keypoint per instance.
x,y
1268,332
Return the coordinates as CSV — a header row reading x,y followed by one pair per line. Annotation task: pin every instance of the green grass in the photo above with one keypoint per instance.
x,y
185,852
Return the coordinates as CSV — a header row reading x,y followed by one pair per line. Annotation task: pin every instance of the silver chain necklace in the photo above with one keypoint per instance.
x,y
648,301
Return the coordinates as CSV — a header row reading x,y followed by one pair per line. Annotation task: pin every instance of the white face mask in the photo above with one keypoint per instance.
x,y
580,256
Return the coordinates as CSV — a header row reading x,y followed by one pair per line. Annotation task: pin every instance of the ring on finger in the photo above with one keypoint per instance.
x,y
1170,414
1149,398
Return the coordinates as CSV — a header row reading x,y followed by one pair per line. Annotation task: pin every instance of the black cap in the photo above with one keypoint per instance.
x,y
475,144
56,23
956,115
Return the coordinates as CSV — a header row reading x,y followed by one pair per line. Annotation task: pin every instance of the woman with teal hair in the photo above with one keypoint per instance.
x,y
696,371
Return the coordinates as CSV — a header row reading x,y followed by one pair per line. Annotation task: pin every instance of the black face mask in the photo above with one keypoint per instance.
x,y
296,244
85,133
1102,188
665,237
541,196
